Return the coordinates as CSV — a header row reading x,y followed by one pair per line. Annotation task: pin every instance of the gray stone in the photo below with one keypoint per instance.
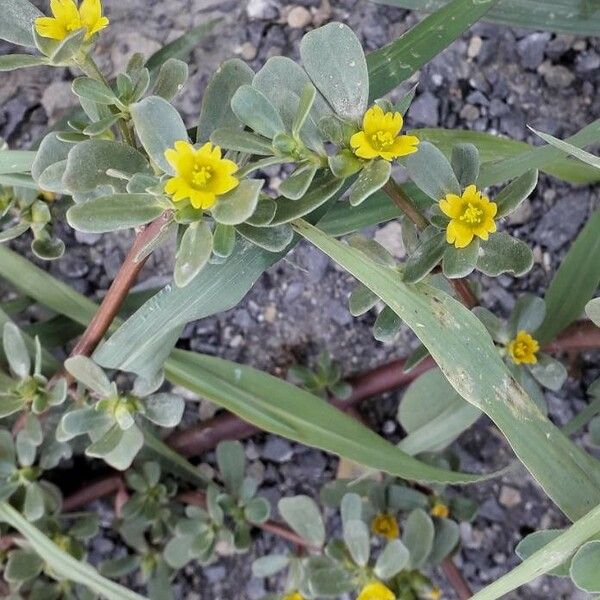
x,y
562,222
262,9
277,450
57,97
556,76
425,110
390,237
587,61
531,49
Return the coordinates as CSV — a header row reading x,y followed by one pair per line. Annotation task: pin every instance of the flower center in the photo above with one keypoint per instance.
x,y
472,215
201,175
521,349
382,139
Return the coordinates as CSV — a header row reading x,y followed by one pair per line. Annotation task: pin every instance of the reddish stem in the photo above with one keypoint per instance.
x,y
456,579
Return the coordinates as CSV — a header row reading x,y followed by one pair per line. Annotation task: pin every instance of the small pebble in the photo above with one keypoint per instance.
x,y
299,17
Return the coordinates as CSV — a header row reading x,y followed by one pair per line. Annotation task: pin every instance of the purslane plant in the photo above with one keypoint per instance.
x,y
127,160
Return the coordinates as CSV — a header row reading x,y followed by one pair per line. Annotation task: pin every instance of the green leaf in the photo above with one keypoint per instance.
x,y
425,258
579,270
193,253
392,560
269,565
239,204
296,185
391,65
321,190
99,127
552,15
15,350
550,372
465,163
584,567
93,90
88,163
118,447
432,173
9,405
241,141
445,540
68,47
171,78
90,374
417,537
460,262
16,25
223,240
272,239
372,178
303,515
433,425
232,464
22,565
33,507
255,110
344,164
334,59
159,126
111,213
592,310
79,421
16,161
528,314
357,540
253,395
495,147
216,110
387,325
515,192
307,99
182,46
63,563
11,62
361,300
264,213
164,409
536,541
460,345
502,253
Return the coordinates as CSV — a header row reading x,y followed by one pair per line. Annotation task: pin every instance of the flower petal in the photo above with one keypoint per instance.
x,y
49,27
451,206
361,146
459,234
373,119
65,11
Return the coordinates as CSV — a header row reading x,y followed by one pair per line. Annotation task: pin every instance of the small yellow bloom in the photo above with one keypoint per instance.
x,y
376,591
202,174
47,196
471,214
435,593
293,596
522,350
385,525
68,17
380,136
439,509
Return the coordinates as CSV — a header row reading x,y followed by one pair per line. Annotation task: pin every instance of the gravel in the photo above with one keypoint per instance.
x,y
492,79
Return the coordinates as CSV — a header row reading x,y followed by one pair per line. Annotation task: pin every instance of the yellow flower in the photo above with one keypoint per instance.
x,y
385,525
471,214
439,509
202,174
293,596
376,591
68,17
380,136
522,350
435,593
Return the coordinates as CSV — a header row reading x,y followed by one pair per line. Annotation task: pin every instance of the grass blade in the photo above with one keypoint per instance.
x,y
64,564
464,351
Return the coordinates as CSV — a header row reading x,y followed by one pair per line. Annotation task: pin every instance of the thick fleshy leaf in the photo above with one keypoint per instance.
x,y
241,141
536,541
90,374
445,540
465,163
164,409
372,178
93,90
272,239
88,163
255,110
584,567
11,62
417,537
111,213
159,126
428,254
232,463
502,253
264,213
592,310
361,300
269,565
431,172
527,315
460,262
22,565
118,447
239,204
297,184
387,325
495,326
342,78
357,540
171,78
392,560
223,240
16,25
16,350
65,50
303,515
216,110
515,192
551,373
193,253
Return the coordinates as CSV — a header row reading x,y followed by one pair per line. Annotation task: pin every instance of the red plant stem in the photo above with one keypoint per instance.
x,y
580,336
119,289
455,579
93,491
